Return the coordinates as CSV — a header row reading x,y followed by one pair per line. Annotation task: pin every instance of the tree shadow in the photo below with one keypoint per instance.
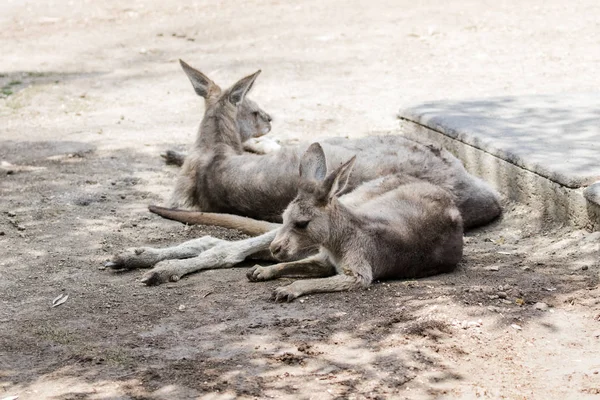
x,y
115,338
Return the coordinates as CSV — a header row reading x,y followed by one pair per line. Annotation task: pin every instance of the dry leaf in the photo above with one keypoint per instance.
x,y
520,301
59,300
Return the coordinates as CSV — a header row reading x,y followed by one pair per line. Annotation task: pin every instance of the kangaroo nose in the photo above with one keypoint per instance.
x,y
275,249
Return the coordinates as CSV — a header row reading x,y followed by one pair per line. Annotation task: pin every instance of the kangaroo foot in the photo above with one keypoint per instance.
x,y
141,257
165,271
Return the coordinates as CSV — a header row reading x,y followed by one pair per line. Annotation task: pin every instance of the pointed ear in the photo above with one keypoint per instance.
x,y
336,182
313,164
202,85
241,88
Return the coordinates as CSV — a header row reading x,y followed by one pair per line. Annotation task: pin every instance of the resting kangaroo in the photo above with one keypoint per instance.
x,y
394,227
252,121
219,177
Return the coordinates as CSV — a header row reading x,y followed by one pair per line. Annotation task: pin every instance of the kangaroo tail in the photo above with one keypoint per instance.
x,y
246,225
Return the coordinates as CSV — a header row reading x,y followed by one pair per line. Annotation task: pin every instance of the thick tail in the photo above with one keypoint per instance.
x,y
246,225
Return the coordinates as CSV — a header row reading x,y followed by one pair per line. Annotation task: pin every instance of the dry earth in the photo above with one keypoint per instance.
x,y
91,93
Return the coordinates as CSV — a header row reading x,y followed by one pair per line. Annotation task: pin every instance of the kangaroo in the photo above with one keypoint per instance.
x,y
252,122
394,227
219,177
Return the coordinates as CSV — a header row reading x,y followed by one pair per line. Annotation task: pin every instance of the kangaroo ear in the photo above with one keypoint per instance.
x,y
336,182
202,85
241,88
313,164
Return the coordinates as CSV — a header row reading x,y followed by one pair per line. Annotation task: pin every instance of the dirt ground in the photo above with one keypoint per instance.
x,y
91,93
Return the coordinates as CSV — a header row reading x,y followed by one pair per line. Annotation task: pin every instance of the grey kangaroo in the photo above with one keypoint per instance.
x,y
235,189
252,122
395,227
219,177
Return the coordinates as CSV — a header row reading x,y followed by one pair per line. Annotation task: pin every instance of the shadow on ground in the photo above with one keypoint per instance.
x,y
215,332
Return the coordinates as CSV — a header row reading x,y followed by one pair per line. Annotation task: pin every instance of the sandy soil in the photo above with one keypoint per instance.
x,y
90,94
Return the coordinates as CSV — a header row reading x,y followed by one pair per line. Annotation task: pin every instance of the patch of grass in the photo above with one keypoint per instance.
x,y
36,74
6,91
14,83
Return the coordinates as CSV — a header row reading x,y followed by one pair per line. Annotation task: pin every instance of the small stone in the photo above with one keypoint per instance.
x,y
492,268
516,327
584,268
540,306
502,295
2,233
11,214
181,308
493,296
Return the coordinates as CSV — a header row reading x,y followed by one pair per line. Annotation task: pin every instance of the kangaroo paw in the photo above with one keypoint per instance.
x,y
142,257
258,274
173,157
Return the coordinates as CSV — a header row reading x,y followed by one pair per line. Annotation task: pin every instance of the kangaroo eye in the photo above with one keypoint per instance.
x,y
301,224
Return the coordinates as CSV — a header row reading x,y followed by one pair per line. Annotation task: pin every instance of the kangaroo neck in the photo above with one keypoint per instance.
x,y
344,226
219,127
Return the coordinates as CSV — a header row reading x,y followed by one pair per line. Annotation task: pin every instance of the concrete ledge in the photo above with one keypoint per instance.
x,y
556,202
557,137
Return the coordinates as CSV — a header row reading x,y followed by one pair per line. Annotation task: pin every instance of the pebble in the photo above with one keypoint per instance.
x,y
11,214
502,295
181,308
584,268
540,306
527,269
516,327
492,268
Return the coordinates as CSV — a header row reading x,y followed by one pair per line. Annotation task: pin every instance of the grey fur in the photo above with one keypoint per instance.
x,y
252,121
218,176
392,228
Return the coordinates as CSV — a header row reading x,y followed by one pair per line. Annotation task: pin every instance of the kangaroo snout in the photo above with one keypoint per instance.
x,y
279,249
275,249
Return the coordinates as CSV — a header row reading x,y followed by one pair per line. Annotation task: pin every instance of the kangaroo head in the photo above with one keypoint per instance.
x,y
306,220
251,120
